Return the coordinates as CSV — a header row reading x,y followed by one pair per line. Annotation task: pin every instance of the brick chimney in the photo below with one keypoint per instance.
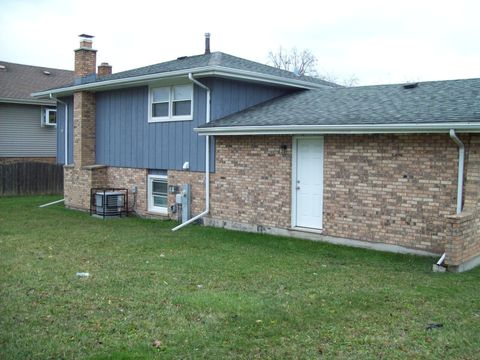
x,y
104,69
85,57
84,106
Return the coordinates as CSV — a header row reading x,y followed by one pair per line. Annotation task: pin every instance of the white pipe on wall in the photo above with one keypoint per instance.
x,y
461,164
65,128
207,160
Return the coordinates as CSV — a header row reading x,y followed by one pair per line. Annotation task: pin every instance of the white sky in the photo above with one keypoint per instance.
x,y
376,41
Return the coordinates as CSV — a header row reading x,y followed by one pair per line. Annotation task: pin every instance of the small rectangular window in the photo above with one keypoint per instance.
x,y
158,194
50,116
171,103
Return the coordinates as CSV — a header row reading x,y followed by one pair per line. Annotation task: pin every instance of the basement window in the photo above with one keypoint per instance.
x,y
171,103
158,194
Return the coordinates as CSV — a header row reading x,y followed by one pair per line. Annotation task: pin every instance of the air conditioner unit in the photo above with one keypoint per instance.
x,y
109,203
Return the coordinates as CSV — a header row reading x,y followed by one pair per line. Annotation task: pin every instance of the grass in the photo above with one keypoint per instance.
x,y
212,293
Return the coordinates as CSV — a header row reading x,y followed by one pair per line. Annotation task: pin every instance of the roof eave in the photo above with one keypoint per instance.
x,y
341,129
199,71
27,101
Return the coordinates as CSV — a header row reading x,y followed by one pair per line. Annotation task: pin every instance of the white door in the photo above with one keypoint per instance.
x,y
308,183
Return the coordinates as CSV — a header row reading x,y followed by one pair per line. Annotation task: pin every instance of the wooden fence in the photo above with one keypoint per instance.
x,y
31,178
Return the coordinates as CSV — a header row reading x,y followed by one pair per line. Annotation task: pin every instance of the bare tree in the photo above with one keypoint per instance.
x,y
304,62
301,62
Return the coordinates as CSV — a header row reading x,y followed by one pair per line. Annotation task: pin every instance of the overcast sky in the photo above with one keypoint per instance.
x,y
376,41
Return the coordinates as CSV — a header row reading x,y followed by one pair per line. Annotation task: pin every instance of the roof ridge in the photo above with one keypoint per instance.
x,y
35,66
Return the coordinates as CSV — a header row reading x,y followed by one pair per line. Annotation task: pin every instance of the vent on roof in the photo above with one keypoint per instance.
x,y
182,57
46,72
410,86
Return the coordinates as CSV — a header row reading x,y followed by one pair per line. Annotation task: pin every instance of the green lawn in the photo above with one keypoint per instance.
x,y
210,293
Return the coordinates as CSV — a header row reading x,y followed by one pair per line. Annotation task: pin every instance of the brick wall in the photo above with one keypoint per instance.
x,y
197,188
395,189
127,178
77,183
464,229
252,183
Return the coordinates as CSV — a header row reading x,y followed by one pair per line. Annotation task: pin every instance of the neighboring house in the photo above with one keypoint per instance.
x,y
27,125
392,167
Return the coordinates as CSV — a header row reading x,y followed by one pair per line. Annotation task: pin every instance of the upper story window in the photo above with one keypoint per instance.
x,y
171,103
49,116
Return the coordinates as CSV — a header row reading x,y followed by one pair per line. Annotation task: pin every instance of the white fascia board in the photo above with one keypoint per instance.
x,y
27,101
200,72
340,129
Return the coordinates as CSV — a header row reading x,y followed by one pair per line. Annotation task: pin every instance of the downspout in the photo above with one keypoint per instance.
x,y
207,159
66,127
66,147
461,165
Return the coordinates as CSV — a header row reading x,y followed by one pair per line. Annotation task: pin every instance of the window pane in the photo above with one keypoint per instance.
x,y
160,109
160,94
182,108
52,117
182,92
159,187
159,200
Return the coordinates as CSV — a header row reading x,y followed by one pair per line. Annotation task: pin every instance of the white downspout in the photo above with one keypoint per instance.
x,y
207,160
65,129
461,165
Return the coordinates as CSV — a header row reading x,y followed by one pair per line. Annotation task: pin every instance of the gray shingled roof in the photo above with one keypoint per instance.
x,y
213,59
18,81
429,102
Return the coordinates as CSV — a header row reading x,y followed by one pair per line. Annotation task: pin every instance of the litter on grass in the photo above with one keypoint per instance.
x,y
83,274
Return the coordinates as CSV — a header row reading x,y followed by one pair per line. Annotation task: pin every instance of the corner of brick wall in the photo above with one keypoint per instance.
x,y
77,183
462,232
463,229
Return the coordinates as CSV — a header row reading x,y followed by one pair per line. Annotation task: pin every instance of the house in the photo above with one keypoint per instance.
x,y
27,125
391,167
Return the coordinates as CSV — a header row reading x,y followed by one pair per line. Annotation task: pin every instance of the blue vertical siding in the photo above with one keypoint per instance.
x,y
61,130
125,138
230,96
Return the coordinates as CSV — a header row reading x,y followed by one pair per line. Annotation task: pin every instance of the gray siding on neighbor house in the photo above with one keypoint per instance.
x,y
61,130
21,133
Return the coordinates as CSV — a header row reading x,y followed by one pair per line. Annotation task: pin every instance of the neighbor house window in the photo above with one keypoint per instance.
x,y
49,116
171,103
157,194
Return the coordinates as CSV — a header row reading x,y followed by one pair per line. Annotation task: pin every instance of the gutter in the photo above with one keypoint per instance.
x,y
340,129
207,160
200,71
65,128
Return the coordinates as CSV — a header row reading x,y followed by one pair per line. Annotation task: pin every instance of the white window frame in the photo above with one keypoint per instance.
x,y
45,116
151,207
170,116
